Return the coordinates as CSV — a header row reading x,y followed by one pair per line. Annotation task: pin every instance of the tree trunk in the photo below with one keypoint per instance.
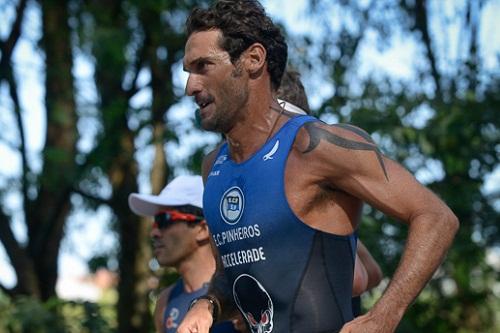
x,y
135,253
49,212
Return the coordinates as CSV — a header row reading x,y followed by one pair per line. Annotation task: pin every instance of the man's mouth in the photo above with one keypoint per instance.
x,y
203,105
204,101
157,246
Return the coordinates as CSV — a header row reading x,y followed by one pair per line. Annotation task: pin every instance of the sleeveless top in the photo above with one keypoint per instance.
x,y
178,304
285,276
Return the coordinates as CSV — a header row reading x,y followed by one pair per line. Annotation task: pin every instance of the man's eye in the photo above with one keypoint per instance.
x,y
201,66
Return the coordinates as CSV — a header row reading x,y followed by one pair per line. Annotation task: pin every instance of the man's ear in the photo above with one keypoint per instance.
x,y
202,234
255,58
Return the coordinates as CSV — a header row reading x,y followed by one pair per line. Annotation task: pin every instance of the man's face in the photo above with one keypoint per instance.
x,y
174,243
220,88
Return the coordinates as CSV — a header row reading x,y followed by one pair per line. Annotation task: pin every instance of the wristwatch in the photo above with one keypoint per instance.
x,y
213,301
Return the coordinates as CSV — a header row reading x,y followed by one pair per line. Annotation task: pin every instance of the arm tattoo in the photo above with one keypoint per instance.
x,y
317,134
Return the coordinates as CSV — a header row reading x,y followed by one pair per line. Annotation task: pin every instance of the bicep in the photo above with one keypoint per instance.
x,y
387,186
350,161
402,196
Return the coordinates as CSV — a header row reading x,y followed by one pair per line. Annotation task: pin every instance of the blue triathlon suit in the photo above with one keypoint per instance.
x,y
285,276
177,305
356,300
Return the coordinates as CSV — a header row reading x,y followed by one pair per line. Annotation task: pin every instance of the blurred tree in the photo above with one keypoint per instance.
x,y
45,195
125,40
441,123
27,314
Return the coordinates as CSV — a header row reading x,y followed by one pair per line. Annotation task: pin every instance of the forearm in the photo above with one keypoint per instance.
x,y
221,290
429,237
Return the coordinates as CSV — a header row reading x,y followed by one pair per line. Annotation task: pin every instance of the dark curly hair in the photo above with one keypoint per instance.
x,y
242,23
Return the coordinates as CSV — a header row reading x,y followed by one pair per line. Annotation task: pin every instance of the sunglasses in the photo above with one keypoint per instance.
x,y
166,218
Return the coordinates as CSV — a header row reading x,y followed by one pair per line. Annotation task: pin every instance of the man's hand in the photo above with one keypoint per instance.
x,y
198,319
370,323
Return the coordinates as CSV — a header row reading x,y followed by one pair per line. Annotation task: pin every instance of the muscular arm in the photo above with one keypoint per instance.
x,y
346,159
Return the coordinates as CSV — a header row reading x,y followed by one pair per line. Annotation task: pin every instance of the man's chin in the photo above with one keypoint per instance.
x,y
209,125
165,262
161,258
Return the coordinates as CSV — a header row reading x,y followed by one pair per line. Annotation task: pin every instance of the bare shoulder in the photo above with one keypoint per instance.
x,y
339,148
208,161
342,135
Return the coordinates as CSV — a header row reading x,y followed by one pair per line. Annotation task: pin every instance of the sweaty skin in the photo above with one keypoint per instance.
x,y
330,172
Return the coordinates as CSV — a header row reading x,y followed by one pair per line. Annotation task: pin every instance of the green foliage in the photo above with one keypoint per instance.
x,y
28,315
97,262
460,138
168,277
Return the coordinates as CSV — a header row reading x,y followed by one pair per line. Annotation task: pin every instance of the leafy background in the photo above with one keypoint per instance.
x,y
114,120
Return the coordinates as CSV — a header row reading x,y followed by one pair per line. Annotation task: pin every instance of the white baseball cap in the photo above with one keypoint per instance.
x,y
183,190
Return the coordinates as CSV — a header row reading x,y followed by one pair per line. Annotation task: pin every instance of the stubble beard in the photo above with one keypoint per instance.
x,y
232,98
172,257
165,260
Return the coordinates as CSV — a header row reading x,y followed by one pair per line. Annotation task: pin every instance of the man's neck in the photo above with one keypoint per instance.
x,y
197,269
254,130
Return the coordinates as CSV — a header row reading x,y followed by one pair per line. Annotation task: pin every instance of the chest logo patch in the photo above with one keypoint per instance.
x,y
232,205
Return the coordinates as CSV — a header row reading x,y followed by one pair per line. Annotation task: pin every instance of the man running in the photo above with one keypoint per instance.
x,y
284,194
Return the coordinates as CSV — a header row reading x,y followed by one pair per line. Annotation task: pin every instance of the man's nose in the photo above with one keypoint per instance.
x,y
193,85
155,232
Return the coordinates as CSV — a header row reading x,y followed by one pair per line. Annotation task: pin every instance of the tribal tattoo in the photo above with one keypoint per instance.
x,y
317,134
